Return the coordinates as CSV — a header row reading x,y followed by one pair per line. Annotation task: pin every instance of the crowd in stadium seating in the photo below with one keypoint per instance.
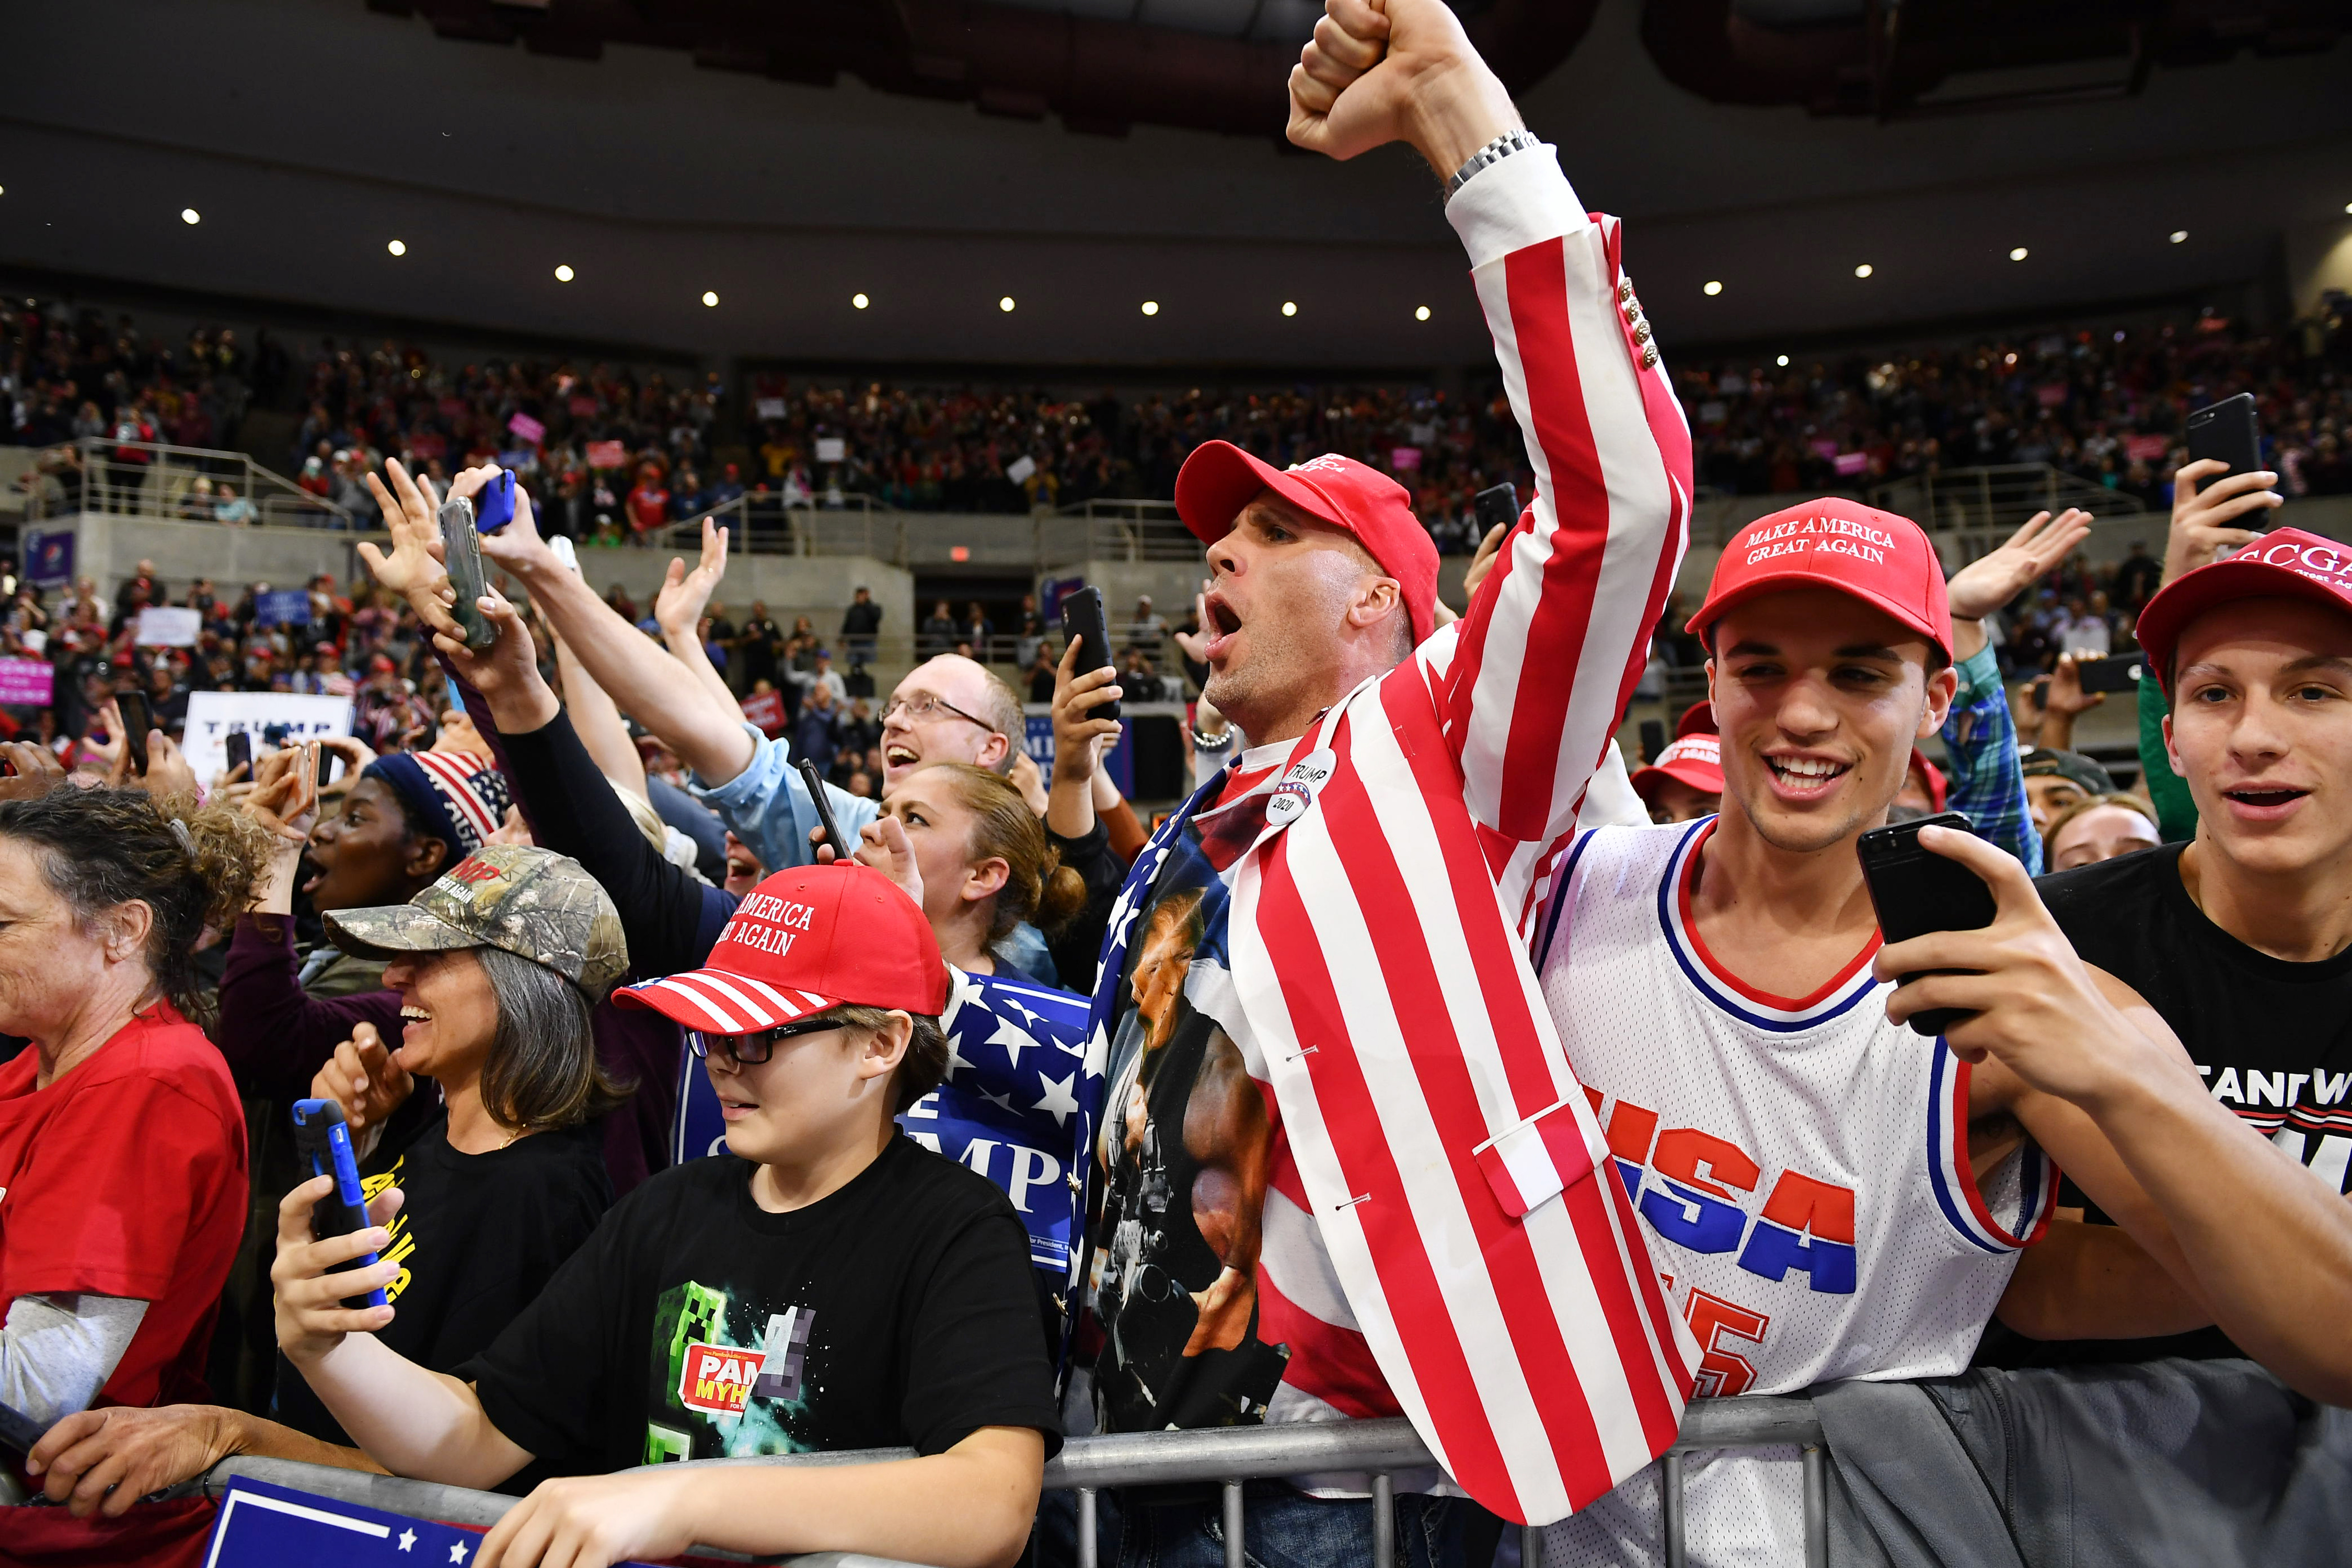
x,y
618,452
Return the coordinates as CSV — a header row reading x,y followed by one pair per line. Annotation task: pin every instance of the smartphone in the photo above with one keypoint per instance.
x,y
815,782
463,546
1082,617
2119,673
323,1146
136,721
1916,890
1496,503
495,508
2227,430
326,766
240,750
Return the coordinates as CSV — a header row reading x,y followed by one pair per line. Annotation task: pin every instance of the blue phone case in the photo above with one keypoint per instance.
x,y
313,1119
494,508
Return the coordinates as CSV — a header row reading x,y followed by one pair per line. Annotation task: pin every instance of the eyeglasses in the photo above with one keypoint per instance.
x,y
751,1050
922,706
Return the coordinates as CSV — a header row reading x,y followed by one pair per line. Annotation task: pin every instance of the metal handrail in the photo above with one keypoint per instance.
x,y
1229,1456
101,493
1985,496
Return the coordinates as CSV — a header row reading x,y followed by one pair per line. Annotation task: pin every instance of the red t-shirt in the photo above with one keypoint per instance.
x,y
648,508
127,1177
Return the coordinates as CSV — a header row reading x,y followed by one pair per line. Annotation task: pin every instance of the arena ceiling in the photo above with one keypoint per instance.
x,y
308,134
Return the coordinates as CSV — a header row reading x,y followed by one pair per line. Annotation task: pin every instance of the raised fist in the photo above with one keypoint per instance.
x,y
1386,70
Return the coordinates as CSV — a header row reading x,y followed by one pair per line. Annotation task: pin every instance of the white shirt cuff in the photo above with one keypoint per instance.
x,y
1518,201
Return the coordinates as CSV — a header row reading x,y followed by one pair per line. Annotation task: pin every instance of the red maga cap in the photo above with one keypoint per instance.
x,y
2285,563
1695,759
1219,478
1874,556
806,940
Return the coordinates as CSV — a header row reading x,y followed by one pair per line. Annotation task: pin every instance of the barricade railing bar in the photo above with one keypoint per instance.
x,y
1229,1456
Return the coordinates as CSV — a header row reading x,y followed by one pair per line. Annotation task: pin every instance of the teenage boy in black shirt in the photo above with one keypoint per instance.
x,y
2241,937
835,1286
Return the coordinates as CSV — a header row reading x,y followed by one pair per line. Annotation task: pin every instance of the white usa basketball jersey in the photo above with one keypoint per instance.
x,y
1800,1167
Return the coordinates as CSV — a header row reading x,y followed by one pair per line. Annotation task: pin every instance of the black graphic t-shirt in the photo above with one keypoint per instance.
x,y
897,1311
2271,1039
477,1237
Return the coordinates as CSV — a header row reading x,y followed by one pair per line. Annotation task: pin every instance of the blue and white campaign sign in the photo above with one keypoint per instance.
x,y
213,716
49,556
286,607
265,1526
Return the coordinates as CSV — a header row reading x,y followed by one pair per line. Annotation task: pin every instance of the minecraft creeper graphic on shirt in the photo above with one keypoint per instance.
x,y
700,1314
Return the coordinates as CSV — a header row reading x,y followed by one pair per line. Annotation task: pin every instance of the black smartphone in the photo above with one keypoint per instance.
x,y
326,766
815,782
2227,430
322,1147
240,750
462,550
1496,503
2119,672
1916,890
136,721
1082,617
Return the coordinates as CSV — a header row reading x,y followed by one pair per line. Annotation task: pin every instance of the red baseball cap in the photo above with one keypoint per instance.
x,y
1698,719
2286,562
1219,478
382,664
1931,776
1695,759
1875,556
806,940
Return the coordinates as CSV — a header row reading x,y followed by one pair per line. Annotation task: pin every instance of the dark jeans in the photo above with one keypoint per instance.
x,y
1282,1528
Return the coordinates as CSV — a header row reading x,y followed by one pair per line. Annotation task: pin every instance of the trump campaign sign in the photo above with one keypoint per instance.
x,y
265,1526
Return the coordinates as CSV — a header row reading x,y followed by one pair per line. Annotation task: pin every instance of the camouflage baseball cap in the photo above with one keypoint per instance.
x,y
533,904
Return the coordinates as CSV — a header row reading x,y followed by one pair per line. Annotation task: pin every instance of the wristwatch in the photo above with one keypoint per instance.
x,y
1494,152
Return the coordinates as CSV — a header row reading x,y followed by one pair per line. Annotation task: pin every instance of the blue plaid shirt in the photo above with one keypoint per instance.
x,y
1987,780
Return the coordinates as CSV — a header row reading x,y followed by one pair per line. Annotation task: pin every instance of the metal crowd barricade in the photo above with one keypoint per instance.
x,y
1230,1457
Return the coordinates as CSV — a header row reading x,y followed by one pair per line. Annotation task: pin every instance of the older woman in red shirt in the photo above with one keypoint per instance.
x,y
122,1157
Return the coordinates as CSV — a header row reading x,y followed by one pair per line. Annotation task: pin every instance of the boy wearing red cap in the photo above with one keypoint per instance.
x,y
2241,937
834,1286
1722,992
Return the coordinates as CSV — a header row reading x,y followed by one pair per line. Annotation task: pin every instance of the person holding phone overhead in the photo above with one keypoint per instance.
x,y
1722,986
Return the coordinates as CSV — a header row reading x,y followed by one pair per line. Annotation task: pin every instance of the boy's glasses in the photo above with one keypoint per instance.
x,y
751,1050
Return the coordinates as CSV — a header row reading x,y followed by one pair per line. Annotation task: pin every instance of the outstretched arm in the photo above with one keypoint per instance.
x,y
1532,681
2099,1082
677,609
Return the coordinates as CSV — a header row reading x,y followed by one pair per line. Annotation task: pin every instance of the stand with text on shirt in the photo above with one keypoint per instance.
x,y
263,1526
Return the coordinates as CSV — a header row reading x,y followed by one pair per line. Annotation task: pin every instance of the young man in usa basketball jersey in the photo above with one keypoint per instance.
x,y
1828,1193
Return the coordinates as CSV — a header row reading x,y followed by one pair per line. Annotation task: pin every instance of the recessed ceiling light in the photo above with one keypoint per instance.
x,y
563,274
1152,307
859,301
2347,207
2018,253
1712,288
1863,270
1290,307
1006,304
710,297
396,248
1421,314
2179,235
190,215
3,190
1783,361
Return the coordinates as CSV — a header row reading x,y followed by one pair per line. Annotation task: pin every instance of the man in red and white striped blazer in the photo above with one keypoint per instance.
x,y
1345,1169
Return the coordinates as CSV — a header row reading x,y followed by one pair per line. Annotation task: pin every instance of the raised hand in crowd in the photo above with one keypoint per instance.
x,y
1079,738
1482,563
413,570
1996,578
2062,702
1030,782
2221,516
677,609
33,769
364,1079
883,845
1401,72
285,801
507,672
167,771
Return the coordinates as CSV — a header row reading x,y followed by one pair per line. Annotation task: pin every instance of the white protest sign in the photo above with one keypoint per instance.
x,y
214,716
169,625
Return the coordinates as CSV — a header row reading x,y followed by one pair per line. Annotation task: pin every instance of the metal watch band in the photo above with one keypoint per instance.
x,y
1494,152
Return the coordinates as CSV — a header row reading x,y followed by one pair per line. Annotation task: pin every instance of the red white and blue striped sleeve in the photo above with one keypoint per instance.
x,y
1532,687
